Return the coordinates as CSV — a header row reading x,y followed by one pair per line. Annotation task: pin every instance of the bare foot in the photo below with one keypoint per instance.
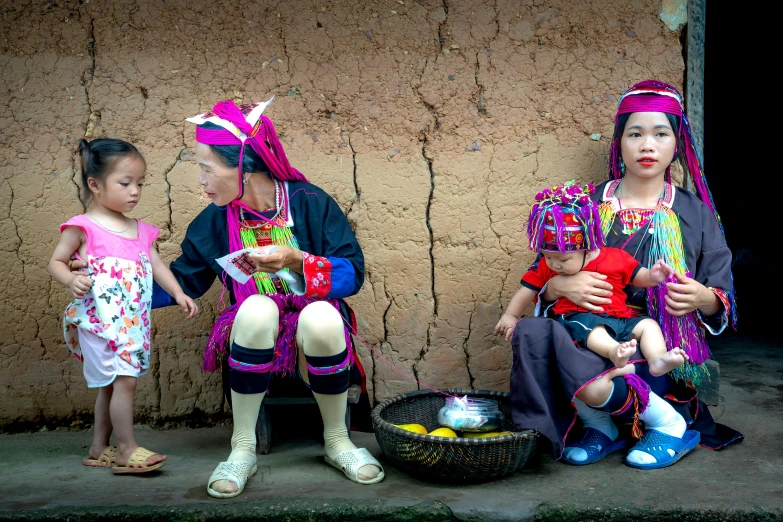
x,y
224,486
124,453
229,486
667,362
95,451
368,472
622,353
94,454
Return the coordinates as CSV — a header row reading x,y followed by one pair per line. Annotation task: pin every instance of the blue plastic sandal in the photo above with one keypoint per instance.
x,y
656,444
596,444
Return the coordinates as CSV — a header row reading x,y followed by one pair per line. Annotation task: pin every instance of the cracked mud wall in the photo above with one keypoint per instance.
x,y
432,123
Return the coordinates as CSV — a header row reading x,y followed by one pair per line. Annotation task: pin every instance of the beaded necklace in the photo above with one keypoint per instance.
x,y
278,206
256,233
633,219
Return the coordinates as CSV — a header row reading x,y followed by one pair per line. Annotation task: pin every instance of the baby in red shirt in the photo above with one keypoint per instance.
x,y
565,227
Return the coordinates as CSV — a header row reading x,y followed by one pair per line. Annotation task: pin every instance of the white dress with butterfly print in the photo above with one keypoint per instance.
x,y
117,307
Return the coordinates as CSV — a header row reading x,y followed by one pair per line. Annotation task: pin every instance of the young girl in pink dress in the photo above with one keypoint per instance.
x,y
107,325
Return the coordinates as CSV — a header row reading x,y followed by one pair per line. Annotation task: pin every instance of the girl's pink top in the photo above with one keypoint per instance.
x,y
117,306
102,243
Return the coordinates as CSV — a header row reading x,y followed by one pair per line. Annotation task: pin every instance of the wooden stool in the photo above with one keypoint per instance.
x,y
264,425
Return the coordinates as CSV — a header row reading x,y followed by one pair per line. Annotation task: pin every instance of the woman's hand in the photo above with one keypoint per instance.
x,y
686,295
505,326
284,257
77,266
588,290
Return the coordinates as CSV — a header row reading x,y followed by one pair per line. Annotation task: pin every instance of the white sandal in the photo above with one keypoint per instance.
x,y
351,461
237,472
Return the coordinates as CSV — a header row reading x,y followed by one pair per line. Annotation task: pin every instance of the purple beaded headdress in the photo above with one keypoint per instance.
x,y
564,219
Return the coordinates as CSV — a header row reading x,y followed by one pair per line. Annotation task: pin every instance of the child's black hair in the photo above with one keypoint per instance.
x,y
98,157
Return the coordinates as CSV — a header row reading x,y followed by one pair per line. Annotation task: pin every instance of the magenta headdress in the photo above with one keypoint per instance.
x,y
564,219
656,96
241,125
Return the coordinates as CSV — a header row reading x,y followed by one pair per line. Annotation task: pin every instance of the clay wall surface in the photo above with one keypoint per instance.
x,y
432,123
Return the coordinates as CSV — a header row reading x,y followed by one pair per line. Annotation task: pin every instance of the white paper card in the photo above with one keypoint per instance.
x,y
240,267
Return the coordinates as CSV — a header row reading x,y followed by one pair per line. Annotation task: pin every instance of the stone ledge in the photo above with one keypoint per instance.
x,y
298,509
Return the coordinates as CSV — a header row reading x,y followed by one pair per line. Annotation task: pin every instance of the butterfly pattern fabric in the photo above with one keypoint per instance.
x,y
117,306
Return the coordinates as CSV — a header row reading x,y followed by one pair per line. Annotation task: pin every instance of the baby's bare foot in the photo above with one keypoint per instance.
x,y
622,353
667,362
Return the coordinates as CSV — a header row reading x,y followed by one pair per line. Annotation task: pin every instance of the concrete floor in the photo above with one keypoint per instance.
x,y
42,474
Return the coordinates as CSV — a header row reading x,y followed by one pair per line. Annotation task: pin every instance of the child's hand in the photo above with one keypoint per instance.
x,y
80,285
660,271
188,305
505,326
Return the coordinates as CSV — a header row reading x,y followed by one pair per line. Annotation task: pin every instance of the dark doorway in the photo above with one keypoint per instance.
x,y
739,162
740,124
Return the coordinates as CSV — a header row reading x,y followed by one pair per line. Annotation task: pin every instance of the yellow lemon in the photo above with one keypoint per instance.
x,y
415,428
470,435
443,432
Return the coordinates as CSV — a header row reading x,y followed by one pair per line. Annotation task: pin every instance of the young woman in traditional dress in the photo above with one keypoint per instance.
x,y
553,381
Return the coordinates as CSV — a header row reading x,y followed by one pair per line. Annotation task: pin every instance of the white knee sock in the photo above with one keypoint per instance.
x,y
320,334
659,416
245,408
255,327
336,439
333,409
595,419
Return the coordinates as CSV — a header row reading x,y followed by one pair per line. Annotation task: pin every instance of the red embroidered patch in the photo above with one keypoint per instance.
x,y
317,275
244,263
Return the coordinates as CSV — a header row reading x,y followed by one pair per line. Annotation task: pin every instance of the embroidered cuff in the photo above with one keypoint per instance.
x,y
715,324
317,275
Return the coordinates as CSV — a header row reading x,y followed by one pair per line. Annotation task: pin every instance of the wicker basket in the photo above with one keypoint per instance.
x,y
444,458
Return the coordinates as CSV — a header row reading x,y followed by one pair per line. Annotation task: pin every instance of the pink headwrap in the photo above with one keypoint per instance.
x,y
240,125
656,96
243,124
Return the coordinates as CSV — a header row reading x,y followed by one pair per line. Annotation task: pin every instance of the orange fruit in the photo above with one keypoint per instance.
x,y
415,428
443,432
